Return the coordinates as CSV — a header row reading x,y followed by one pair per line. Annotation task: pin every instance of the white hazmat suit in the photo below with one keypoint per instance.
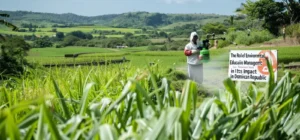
x,y
195,66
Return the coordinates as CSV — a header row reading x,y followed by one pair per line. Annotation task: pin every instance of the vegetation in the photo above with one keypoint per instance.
x,y
293,30
216,28
125,20
42,42
12,54
274,13
8,24
101,102
12,57
242,38
149,97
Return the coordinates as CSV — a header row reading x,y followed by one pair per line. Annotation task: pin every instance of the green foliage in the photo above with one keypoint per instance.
x,y
12,57
42,42
216,28
8,24
128,35
184,30
240,37
69,40
95,102
81,35
30,25
156,48
274,13
293,30
131,19
223,43
60,35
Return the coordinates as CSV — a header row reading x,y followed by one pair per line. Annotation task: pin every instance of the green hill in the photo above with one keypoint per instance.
x,y
131,19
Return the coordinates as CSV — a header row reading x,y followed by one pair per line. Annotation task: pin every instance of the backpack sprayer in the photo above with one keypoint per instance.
x,y
204,53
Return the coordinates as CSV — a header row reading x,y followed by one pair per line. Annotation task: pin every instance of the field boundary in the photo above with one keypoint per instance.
x,y
118,61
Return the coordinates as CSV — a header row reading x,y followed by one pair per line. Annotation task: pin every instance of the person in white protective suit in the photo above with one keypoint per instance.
x,y
192,51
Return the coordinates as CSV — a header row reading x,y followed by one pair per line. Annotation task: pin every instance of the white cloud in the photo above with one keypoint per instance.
x,y
181,1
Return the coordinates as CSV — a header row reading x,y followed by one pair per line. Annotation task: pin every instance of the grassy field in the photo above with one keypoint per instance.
x,y
285,54
9,32
87,102
135,102
87,29
90,29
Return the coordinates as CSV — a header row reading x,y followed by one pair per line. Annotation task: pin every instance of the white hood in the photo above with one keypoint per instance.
x,y
192,35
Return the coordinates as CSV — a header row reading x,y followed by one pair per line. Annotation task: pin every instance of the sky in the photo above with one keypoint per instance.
x,y
102,7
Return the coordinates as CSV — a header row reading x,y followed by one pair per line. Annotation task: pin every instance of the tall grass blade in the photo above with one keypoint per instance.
x,y
186,100
51,125
255,128
61,99
178,131
30,133
11,127
229,85
108,132
84,101
28,120
40,128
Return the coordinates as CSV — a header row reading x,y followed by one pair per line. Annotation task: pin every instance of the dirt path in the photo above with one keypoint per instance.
x,y
212,77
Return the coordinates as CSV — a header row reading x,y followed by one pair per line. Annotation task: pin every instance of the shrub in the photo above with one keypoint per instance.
x,y
293,30
69,40
153,48
241,37
58,46
223,43
42,42
91,45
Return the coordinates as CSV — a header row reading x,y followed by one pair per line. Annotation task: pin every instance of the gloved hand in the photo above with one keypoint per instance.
x,y
200,57
187,52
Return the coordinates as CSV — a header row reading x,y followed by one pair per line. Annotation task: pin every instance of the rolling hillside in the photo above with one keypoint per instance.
x,y
131,19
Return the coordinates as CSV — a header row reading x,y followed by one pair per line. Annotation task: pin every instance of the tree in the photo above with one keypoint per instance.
x,y
12,57
155,19
60,35
12,53
78,34
274,13
128,35
81,35
89,36
293,10
144,30
70,40
42,43
216,28
54,30
163,34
